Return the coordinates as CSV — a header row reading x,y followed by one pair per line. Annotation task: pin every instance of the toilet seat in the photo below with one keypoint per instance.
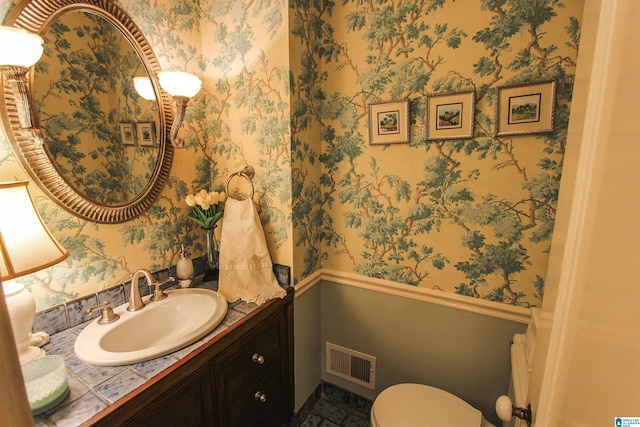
x,y
418,405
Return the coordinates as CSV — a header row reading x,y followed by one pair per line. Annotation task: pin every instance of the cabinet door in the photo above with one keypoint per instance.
x,y
251,378
189,403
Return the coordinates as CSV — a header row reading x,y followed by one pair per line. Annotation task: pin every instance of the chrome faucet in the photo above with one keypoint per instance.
x,y
135,300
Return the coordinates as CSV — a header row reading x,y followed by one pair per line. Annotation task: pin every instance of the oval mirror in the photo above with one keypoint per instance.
x,y
105,155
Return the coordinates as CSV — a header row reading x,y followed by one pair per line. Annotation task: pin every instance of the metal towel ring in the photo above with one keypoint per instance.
x,y
247,173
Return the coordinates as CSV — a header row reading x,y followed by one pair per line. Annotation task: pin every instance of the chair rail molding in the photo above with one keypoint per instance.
x,y
480,306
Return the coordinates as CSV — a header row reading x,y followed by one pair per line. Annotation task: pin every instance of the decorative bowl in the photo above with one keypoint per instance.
x,y
46,382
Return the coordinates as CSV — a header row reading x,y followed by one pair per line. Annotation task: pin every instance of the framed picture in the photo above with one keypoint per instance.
x,y
451,116
146,133
525,109
389,122
127,133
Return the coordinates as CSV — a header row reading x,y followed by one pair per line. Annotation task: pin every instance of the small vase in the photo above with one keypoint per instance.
x,y
212,255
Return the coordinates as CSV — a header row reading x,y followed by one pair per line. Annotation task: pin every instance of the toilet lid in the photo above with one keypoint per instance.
x,y
418,405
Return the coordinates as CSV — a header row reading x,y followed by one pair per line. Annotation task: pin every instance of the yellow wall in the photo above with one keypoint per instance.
x,y
248,55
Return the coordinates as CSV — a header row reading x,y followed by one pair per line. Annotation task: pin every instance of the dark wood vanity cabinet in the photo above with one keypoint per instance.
x,y
189,403
252,377
242,378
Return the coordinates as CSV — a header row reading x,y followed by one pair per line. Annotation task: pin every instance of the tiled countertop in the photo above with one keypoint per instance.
x,y
94,388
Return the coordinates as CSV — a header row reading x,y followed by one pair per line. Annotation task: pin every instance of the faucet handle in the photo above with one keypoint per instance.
x,y
158,293
107,316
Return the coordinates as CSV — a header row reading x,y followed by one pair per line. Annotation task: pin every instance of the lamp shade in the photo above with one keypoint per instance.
x,y
19,47
26,245
144,88
179,83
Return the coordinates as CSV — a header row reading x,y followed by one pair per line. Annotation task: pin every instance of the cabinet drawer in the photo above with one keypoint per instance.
x,y
258,405
255,354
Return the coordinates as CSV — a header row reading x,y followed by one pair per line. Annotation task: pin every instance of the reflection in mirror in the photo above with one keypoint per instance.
x,y
106,155
98,131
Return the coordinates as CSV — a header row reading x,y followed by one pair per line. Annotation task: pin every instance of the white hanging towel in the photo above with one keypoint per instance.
x,y
246,271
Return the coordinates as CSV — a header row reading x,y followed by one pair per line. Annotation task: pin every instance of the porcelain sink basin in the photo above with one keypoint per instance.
x,y
161,327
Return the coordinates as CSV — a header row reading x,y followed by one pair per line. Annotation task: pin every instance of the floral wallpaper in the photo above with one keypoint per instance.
x,y
240,117
467,216
89,110
286,89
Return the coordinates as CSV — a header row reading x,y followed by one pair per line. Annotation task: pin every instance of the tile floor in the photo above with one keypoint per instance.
x,y
329,412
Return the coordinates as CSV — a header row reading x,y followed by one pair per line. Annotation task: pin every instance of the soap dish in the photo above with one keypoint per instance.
x,y
46,382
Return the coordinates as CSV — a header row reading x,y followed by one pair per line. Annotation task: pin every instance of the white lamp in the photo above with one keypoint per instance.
x,y
20,50
26,246
181,86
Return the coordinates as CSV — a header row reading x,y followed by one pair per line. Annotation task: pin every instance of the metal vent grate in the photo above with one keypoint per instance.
x,y
351,365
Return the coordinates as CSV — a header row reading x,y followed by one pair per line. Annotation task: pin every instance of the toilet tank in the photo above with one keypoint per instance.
x,y
521,350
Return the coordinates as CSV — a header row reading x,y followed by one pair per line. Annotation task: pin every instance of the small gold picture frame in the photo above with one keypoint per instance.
x,y
389,122
525,109
146,133
127,133
451,116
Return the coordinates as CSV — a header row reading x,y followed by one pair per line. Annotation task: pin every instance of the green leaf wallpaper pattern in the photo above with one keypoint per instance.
x,y
86,60
477,218
286,89
241,116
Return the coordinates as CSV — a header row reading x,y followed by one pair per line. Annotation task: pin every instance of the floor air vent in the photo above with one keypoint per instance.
x,y
351,365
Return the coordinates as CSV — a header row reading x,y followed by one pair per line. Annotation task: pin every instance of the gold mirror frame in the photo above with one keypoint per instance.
x,y
36,16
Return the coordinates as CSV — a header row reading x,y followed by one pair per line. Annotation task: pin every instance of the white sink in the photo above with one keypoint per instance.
x,y
161,327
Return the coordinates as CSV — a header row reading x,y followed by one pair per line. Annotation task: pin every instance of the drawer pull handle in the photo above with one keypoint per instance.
x,y
256,358
260,397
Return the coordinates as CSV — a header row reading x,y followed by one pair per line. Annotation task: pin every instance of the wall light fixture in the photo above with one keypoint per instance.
x,y
182,87
145,89
20,50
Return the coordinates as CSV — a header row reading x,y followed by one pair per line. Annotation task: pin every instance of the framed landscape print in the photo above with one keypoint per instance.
x,y
127,133
450,116
146,134
389,122
525,109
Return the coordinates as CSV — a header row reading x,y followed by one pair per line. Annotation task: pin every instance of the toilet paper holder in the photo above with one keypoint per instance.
x,y
506,410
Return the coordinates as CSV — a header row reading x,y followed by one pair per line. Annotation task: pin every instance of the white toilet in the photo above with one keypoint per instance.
x,y
418,405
